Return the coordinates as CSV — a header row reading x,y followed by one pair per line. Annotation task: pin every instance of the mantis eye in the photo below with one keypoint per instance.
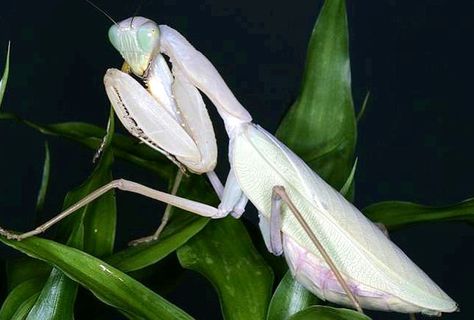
x,y
148,36
137,39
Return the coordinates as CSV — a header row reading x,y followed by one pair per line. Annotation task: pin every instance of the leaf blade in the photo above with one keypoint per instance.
x,y
6,71
397,214
181,228
328,313
40,199
289,298
19,298
324,109
224,254
108,283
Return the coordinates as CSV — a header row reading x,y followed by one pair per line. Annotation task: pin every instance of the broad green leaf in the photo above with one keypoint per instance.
x,y
397,214
328,313
289,298
22,297
25,268
25,307
54,301
110,285
6,70
124,147
91,227
224,254
320,126
96,220
44,180
277,263
180,229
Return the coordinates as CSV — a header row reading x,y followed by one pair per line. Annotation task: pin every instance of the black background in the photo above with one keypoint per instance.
x,y
414,142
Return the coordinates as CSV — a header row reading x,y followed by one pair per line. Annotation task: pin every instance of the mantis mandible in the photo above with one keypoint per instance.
x,y
329,245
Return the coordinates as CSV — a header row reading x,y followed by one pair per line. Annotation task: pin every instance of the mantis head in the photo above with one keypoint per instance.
x,y
137,39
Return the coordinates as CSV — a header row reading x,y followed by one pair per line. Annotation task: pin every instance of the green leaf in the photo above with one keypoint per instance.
x,y
6,70
91,227
180,229
22,312
110,285
96,220
364,107
289,298
348,189
397,214
124,147
320,126
44,180
56,300
328,313
22,297
25,268
224,254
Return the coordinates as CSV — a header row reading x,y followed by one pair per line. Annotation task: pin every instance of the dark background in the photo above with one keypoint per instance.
x,y
414,142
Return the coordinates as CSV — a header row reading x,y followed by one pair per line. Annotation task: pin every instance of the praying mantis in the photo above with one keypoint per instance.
x,y
330,247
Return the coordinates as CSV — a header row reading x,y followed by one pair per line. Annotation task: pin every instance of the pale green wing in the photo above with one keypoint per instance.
x,y
359,249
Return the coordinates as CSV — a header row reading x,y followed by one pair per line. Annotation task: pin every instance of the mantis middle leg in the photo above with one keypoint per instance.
x,y
125,185
166,214
279,194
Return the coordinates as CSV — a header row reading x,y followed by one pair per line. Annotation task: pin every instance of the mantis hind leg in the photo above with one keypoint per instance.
x,y
279,194
271,228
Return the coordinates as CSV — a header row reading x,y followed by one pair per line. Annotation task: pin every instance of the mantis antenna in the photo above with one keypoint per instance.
x,y
136,12
101,11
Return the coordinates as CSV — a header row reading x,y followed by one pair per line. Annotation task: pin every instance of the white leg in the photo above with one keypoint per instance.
x,y
276,241
279,192
239,208
166,214
217,186
233,199
125,185
216,183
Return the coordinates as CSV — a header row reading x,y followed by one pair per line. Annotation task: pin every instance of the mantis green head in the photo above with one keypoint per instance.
x,y
137,39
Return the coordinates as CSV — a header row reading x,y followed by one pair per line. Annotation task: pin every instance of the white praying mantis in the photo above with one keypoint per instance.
x,y
330,246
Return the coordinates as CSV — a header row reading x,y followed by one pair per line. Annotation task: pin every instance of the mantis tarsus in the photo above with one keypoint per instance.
x,y
330,247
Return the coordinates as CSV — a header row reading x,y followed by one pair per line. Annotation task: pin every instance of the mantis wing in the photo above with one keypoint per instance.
x,y
358,248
